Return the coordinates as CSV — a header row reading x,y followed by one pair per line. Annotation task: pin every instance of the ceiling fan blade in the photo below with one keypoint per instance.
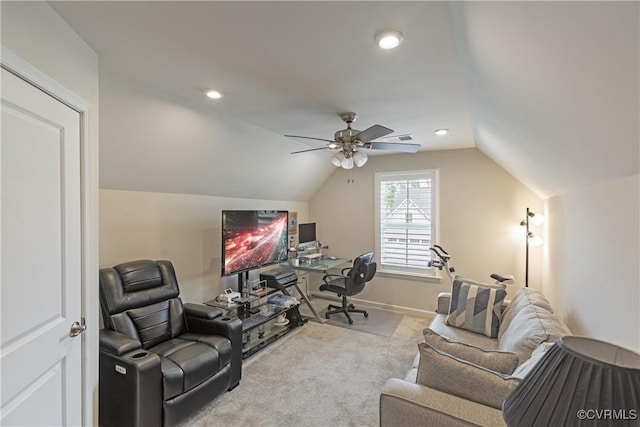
x,y
405,148
310,149
309,137
374,132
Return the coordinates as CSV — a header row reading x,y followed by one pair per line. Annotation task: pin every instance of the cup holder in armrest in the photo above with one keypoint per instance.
x,y
139,355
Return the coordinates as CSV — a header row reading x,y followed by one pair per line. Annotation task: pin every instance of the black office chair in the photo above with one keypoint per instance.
x,y
350,282
160,360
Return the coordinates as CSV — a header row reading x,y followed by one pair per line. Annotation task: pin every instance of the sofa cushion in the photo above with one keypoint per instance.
x,y
522,370
529,327
476,308
439,325
500,361
523,298
449,374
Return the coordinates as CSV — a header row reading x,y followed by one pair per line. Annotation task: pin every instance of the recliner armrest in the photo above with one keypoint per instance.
x,y
202,311
116,343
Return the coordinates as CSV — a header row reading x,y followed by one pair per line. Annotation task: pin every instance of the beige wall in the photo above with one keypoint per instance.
x,y
479,209
182,228
591,266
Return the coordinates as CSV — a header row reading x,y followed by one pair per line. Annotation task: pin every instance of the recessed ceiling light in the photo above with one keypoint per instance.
x,y
389,39
441,132
214,94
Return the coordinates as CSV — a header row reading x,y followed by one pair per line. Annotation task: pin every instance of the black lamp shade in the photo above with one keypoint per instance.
x,y
579,382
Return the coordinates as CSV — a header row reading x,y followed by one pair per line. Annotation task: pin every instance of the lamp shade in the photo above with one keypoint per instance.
x,y
579,382
535,241
360,158
347,163
337,159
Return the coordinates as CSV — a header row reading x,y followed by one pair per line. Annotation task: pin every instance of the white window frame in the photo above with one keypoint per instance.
x,y
433,175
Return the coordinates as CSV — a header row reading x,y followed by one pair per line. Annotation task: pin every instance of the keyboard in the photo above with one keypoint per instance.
x,y
252,321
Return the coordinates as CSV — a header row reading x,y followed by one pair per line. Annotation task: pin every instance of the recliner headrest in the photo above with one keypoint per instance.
x,y
139,275
135,284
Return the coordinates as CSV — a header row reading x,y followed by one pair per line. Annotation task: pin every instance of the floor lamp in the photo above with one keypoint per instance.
x,y
530,239
579,381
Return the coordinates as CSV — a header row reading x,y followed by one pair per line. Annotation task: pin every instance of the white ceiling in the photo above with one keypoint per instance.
x,y
548,90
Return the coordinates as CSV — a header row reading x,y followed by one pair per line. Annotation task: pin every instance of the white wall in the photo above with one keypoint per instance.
x,y
182,228
591,269
37,34
480,208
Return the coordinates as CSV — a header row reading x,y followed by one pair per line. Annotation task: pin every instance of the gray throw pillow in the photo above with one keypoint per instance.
x,y
476,308
445,373
499,361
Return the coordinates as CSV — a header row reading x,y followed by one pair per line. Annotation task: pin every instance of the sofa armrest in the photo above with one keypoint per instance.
x,y
444,298
116,343
406,404
229,327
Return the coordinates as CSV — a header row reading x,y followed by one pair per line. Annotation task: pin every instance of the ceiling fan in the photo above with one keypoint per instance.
x,y
349,143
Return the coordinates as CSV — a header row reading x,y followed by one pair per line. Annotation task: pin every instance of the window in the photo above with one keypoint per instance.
x,y
406,221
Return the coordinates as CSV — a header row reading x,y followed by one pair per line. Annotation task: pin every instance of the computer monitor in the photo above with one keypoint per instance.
x,y
307,234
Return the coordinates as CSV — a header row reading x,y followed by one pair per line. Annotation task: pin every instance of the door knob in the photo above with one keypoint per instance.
x,y
77,328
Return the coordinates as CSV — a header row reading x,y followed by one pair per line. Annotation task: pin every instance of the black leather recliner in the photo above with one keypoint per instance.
x,y
160,360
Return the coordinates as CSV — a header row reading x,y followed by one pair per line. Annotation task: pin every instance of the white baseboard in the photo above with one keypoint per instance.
x,y
374,304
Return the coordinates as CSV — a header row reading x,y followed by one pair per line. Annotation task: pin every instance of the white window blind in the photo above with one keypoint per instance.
x,y
405,220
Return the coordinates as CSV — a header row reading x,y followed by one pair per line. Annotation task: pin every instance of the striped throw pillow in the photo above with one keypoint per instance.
x,y
476,308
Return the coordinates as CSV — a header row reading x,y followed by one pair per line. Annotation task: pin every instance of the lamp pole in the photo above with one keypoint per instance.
x,y
526,251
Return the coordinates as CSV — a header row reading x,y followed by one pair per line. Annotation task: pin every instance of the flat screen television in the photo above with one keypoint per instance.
x,y
307,234
253,239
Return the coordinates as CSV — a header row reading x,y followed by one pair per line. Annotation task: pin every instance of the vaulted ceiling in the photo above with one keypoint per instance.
x,y
549,90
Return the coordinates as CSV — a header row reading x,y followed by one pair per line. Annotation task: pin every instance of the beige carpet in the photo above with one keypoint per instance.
x,y
317,375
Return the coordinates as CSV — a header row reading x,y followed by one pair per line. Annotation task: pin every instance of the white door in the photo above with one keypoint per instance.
x,y
40,293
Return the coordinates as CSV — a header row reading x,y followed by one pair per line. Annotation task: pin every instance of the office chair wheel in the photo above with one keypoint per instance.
x,y
352,307
326,315
366,314
350,322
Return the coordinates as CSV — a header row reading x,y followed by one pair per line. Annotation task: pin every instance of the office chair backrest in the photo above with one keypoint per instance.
x,y
362,271
140,299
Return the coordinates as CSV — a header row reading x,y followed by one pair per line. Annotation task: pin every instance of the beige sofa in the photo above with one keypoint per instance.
x,y
464,393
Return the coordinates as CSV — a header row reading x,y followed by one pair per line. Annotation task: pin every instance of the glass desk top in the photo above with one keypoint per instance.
x,y
320,265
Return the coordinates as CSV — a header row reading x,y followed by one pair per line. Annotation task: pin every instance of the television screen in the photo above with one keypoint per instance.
x,y
253,239
307,233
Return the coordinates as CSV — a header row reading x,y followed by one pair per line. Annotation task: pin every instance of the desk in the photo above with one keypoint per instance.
x,y
317,265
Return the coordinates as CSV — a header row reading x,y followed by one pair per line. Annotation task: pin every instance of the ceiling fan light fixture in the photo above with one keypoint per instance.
x,y
337,159
347,163
441,132
213,94
360,158
333,145
389,39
